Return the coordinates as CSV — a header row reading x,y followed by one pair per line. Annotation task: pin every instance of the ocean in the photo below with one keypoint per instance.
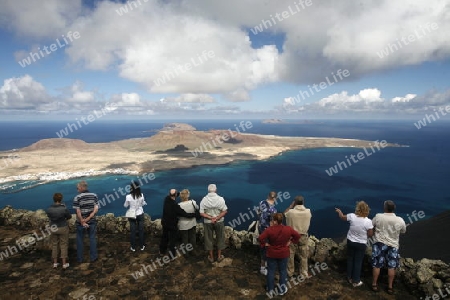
x,y
416,177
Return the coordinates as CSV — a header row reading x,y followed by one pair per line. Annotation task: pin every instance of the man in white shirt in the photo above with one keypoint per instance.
x,y
213,209
385,249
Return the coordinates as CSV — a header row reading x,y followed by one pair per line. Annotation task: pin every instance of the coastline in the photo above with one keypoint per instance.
x,y
48,177
63,159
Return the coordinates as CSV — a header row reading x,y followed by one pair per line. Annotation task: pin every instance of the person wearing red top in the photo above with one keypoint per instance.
x,y
277,239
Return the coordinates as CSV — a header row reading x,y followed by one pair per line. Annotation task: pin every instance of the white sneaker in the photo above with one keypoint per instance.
x,y
132,249
360,283
263,271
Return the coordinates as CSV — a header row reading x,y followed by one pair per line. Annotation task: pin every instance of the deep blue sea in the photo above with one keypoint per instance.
x,y
415,177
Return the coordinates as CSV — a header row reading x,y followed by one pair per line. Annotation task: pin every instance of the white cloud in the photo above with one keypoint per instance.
x,y
213,54
206,56
370,101
129,102
39,19
407,98
22,93
78,95
365,100
131,99
239,95
190,98
25,93
140,46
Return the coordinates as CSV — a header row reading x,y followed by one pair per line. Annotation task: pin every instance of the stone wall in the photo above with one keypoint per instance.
x,y
429,277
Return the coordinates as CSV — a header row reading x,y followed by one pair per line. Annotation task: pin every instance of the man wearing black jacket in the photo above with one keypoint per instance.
x,y
169,221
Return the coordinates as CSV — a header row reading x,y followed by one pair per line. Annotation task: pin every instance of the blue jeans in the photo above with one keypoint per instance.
x,y
138,224
355,257
272,264
92,230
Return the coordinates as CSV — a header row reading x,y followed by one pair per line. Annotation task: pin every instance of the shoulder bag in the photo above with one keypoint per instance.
x,y
197,212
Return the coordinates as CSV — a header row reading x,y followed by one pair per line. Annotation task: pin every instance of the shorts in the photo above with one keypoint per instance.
x,y
219,230
385,256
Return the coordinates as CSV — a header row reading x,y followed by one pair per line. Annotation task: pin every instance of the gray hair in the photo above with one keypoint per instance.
x,y
212,188
83,185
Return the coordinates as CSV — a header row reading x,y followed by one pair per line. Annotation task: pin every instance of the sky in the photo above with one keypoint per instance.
x,y
205,59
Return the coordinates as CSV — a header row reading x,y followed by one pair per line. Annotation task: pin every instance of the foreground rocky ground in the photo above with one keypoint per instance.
x,y
29,275
26,272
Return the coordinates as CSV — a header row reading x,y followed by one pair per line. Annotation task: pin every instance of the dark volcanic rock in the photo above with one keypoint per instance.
x,y
428,238
122,274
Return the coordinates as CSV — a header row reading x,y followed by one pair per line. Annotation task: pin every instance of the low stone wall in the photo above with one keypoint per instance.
x,y
428,277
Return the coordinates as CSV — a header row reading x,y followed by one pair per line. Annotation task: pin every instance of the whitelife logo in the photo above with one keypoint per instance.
x,y
431,118
109,107
355,158
53,47
25,243
315,88
280,17
222,138
405,41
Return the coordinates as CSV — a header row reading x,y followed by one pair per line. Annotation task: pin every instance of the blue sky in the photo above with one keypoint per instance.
x,y
209,59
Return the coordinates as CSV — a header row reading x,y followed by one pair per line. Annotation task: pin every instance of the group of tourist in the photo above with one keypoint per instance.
x,y
280,243
384,229
178,221
85,204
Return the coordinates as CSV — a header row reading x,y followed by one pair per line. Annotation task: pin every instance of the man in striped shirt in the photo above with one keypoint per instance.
x,y
86,206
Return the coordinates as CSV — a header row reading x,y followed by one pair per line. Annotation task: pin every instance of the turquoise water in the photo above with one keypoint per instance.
x,y
415,177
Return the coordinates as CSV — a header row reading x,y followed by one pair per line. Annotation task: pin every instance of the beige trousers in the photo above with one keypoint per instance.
x,y
60,242
302,250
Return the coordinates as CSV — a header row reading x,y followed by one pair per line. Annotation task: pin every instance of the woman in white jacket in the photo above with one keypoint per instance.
x,y
187,226
135,200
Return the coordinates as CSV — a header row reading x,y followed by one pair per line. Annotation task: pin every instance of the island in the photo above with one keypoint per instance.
x,y
178,145
281,121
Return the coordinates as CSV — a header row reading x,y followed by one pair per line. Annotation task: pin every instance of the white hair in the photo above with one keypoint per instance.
x,y
212,188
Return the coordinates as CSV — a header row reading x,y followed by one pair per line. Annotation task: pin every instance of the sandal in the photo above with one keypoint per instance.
x,y
390,291
374,287
211,260
220,258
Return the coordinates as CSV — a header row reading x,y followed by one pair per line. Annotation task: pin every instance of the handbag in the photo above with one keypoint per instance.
x,y
196,212
253,230
131,213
